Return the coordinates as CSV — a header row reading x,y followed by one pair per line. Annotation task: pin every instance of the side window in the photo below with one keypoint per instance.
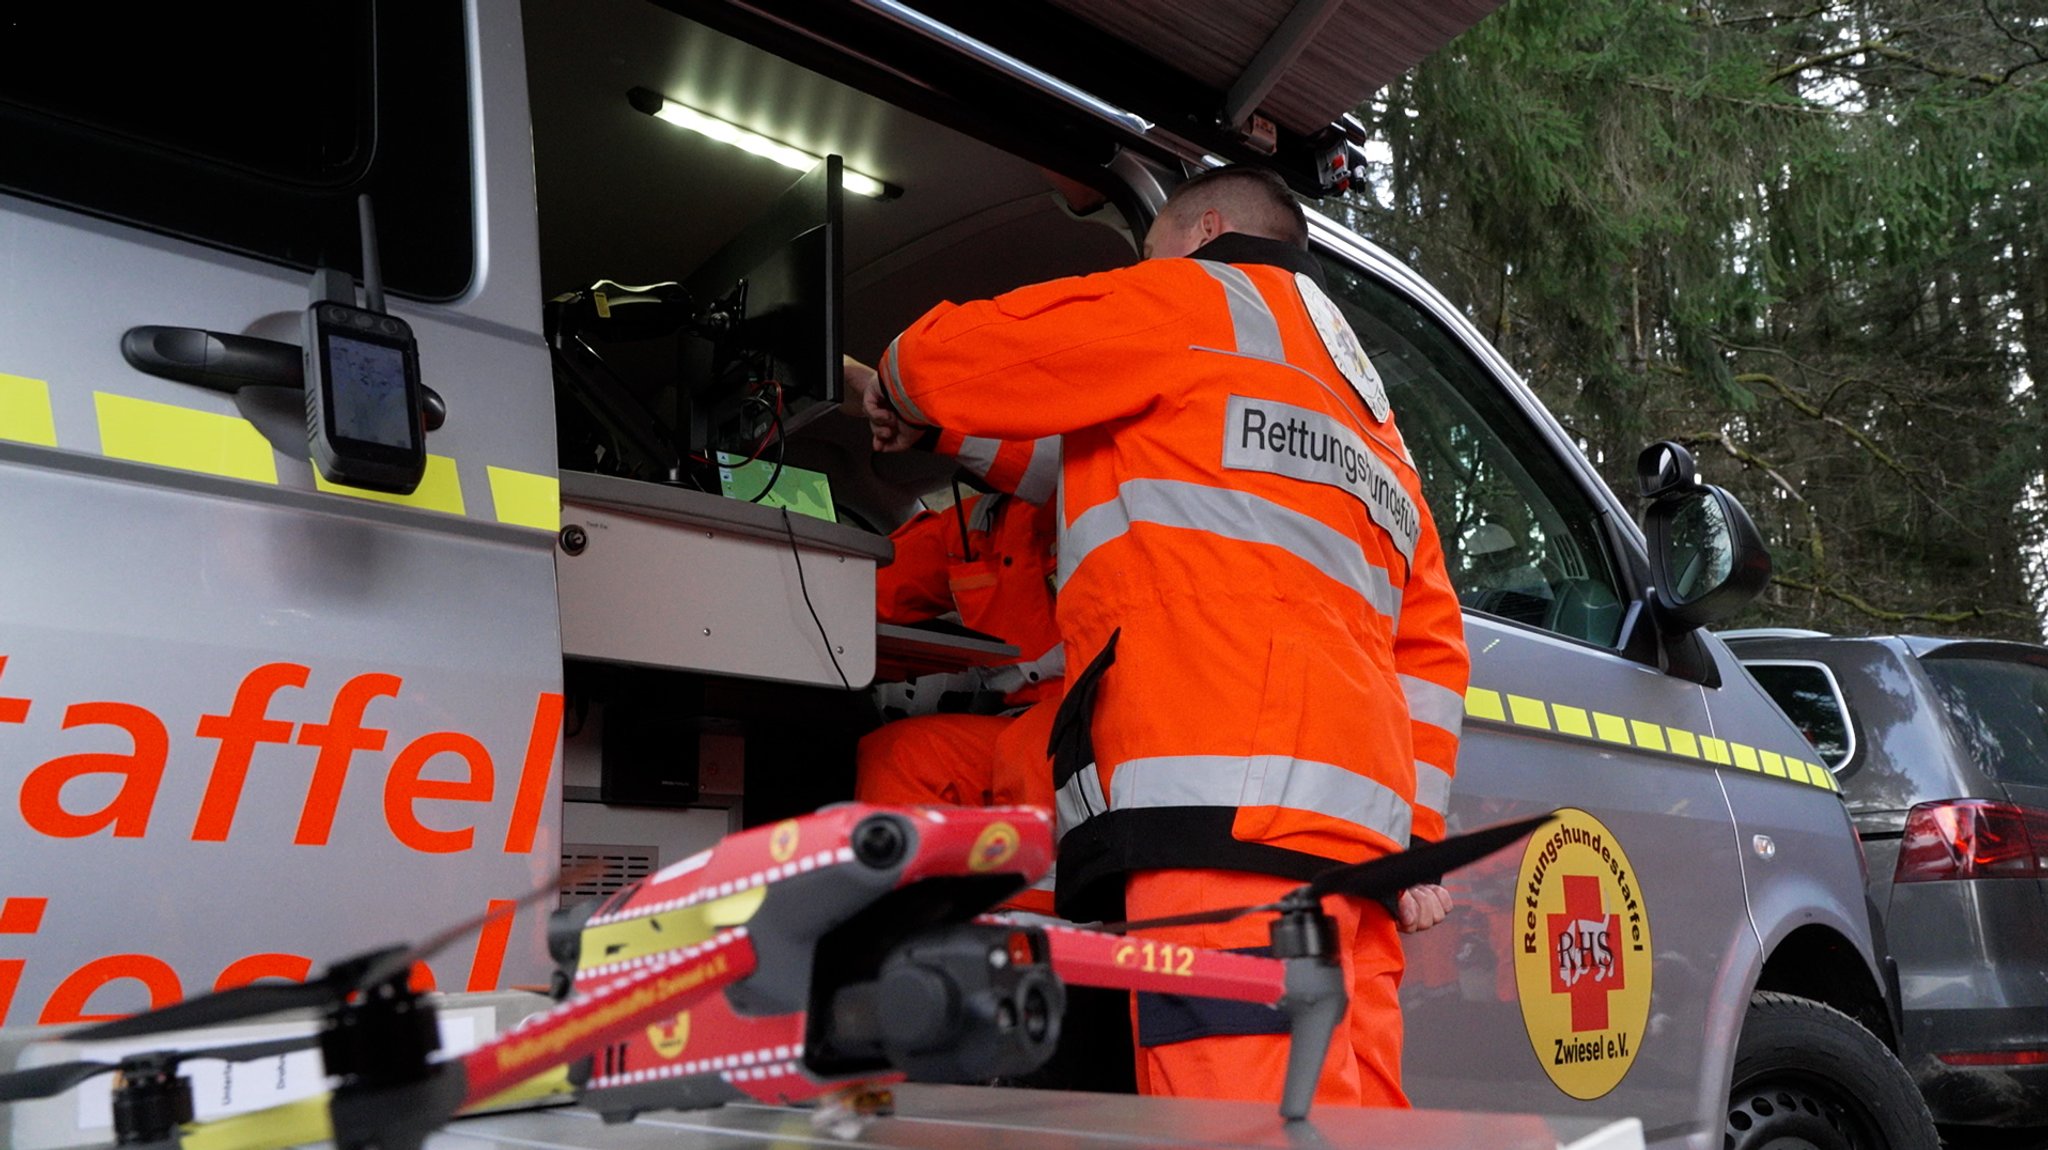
x,y
1520,537
251,127
1809,695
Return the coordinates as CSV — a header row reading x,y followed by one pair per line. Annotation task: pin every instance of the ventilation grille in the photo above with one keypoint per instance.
x,y
611,868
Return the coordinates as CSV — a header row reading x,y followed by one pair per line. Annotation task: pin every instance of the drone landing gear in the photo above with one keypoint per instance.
x,y
1306,939
151,1100
378,1044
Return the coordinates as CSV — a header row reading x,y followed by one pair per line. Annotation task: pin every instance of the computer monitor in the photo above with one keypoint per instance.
x,y
768,362
756,336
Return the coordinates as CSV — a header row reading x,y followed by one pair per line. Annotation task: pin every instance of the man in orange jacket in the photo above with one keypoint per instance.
x,y
1275,660
989,558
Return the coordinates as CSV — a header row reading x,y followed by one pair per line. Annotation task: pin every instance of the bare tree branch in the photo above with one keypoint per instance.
x,y
1889,616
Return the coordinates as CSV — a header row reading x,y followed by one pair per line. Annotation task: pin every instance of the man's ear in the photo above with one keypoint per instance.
x,y
1212,224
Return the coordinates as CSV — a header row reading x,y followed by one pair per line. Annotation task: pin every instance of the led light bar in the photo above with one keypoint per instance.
x,y
726,132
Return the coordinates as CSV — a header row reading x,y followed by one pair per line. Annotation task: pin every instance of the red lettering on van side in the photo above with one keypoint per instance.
x,y
141,771
404,788
534,773
17,916
11,710
489,960
239,731
339,738
243,971
67,1003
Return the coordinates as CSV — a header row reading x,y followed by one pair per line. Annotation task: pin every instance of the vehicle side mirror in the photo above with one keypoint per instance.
x,y
1706,555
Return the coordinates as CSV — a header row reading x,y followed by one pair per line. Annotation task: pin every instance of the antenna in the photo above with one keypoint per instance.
x,y
373,273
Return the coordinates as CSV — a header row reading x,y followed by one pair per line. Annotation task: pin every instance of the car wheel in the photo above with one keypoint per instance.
x,y
1808,1077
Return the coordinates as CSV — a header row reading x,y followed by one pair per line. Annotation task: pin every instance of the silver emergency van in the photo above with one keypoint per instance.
x,y
280,682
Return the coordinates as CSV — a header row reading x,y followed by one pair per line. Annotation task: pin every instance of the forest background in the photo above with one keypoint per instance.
x,y
1808,241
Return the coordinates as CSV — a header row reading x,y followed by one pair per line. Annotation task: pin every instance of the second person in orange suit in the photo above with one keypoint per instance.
x,y
990,559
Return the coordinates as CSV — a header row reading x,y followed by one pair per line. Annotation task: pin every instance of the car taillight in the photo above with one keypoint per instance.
x,y
1972,838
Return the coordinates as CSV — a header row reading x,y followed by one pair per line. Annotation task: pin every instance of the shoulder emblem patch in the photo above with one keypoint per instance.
x,y
1342,344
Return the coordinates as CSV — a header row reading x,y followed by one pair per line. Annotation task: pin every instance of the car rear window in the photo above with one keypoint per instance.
x,y
2000,710
1808,694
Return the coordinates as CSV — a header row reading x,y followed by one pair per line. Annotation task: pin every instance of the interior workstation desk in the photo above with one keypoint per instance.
x,y
716,654
669,577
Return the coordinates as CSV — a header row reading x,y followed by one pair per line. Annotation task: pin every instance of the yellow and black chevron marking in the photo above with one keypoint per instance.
x,y
167,435
1523,712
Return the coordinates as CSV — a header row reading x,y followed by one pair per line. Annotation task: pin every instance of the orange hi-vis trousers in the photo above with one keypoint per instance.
x,y
962,761
1200,1048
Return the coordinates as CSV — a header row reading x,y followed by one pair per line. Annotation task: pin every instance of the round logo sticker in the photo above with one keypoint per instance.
x,y
669,1038
782,840
1582,954
995,846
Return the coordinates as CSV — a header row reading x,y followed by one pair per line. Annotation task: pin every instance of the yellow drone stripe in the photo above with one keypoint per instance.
x,y
669,930
542,1085
292,1124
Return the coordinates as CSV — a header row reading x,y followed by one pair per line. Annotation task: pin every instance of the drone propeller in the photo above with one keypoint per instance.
x,y
46,1081
1383,877
334,987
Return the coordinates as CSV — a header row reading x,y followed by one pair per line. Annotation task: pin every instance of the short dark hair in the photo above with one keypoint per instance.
x,y
1256,199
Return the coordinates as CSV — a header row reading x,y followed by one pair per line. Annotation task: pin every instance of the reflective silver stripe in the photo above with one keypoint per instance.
x,y
977,454
1011,676
1398,446
1235,515
1078,801
892,379
1432,788
1042,474
1240,781
1275,438
1257,332
1436,705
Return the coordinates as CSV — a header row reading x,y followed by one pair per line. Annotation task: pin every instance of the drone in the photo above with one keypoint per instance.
x,y
815,959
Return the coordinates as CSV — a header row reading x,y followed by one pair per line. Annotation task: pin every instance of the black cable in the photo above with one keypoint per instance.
x,y
966,545
805,587
781,451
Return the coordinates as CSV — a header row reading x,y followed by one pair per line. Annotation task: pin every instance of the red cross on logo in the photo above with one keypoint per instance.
x,y
1588,963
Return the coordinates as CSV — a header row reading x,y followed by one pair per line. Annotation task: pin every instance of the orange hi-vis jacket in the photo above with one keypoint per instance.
x,y
998,575
1290,662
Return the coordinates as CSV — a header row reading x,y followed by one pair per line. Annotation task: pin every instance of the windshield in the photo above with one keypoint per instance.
x,y
2000,710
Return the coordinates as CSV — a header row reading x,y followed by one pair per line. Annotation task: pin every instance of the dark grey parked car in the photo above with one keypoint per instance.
x,y
1941,750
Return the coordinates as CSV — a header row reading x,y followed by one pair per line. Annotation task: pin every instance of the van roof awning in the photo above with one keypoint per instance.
x,y
1303,63
1200,69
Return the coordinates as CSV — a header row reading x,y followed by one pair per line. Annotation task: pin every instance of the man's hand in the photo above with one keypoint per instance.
x,y
1422,907
886,429
857,379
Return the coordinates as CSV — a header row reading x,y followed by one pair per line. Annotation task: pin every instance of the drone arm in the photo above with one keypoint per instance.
x,y
652,989
1094,958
